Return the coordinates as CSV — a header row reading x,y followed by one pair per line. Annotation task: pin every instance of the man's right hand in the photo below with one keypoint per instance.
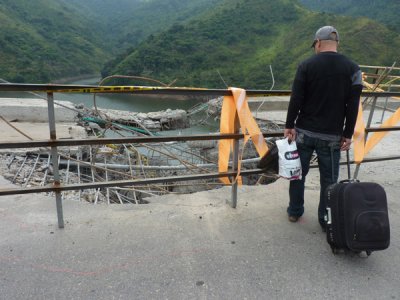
x,y
345,144
290,133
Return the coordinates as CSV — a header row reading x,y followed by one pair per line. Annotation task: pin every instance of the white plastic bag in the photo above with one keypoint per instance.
x,y
289,159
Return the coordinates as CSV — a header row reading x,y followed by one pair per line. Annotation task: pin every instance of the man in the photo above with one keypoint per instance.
x,y
322,114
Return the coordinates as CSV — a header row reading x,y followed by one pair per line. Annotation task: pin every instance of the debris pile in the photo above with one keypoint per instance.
x,y
91,164
155,121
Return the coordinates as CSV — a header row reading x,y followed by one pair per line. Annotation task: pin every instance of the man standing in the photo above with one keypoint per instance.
x,y
322,114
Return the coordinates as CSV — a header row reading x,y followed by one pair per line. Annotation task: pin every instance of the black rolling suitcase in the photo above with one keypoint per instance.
x,y
357,216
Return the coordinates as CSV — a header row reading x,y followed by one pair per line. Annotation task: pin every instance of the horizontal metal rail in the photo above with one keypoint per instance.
x,y
155,90
379,67
126,140
151,139
380,129
135,182
372,75
116,183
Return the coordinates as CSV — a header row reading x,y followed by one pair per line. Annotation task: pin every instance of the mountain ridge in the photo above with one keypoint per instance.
x,y
226,43
35,44
385,12
197,42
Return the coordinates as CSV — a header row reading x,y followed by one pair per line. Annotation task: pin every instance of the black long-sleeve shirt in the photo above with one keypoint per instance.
x,y
325,95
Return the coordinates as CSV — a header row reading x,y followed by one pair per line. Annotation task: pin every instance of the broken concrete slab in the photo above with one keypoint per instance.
x,y
35,110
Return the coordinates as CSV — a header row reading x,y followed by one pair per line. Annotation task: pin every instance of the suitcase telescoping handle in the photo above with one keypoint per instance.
x,y
348,170
348,164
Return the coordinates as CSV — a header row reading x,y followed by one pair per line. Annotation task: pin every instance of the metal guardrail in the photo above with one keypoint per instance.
x,y
54,88
54,143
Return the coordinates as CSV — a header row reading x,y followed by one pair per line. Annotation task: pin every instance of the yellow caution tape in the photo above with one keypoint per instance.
x,y
232,105
116,89
376,137
361,146
359,137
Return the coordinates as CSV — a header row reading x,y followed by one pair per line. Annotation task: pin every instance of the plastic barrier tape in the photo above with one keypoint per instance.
x,y
232,105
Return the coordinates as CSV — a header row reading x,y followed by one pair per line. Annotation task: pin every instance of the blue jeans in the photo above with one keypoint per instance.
x,y
328,154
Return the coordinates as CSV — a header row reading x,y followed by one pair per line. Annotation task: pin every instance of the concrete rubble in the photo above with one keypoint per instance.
x,y
32,167
156,121
35,110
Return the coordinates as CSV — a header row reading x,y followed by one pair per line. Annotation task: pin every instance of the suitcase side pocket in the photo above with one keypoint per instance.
x,y
371,231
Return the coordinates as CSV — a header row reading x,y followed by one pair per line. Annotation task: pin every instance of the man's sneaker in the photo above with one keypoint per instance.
x,y
323,226
293,218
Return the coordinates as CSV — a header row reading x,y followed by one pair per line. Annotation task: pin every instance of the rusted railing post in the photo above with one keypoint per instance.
x,y
235,163
54,158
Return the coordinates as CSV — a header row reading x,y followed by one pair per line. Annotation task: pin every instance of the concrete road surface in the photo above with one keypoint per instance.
x,y
194,246
190,247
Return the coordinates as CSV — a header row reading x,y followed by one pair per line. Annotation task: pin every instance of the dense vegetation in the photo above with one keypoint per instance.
x,y
386,12
128,23
43,40
194,41
241,38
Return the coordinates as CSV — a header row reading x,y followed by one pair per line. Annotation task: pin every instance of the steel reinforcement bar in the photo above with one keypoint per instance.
x,y
133,182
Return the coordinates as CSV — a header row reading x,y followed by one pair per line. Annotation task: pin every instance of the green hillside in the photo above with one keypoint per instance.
x,y
127,22
193,41
43,40
384,11
241,38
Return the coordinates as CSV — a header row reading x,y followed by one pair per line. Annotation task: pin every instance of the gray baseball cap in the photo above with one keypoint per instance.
x,y
325,33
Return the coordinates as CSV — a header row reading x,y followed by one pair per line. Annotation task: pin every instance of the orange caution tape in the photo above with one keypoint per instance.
x,y
377,136
359,137
232,105
362,147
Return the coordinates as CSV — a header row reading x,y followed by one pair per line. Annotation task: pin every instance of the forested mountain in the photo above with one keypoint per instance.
x,y
384,11
241,38
195,41
43,40
125,23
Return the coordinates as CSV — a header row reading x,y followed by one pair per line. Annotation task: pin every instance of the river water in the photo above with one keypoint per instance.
x,y
127,102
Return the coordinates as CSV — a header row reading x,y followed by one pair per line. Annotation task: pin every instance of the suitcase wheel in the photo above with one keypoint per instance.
x,y
335,250
367,252
360,253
